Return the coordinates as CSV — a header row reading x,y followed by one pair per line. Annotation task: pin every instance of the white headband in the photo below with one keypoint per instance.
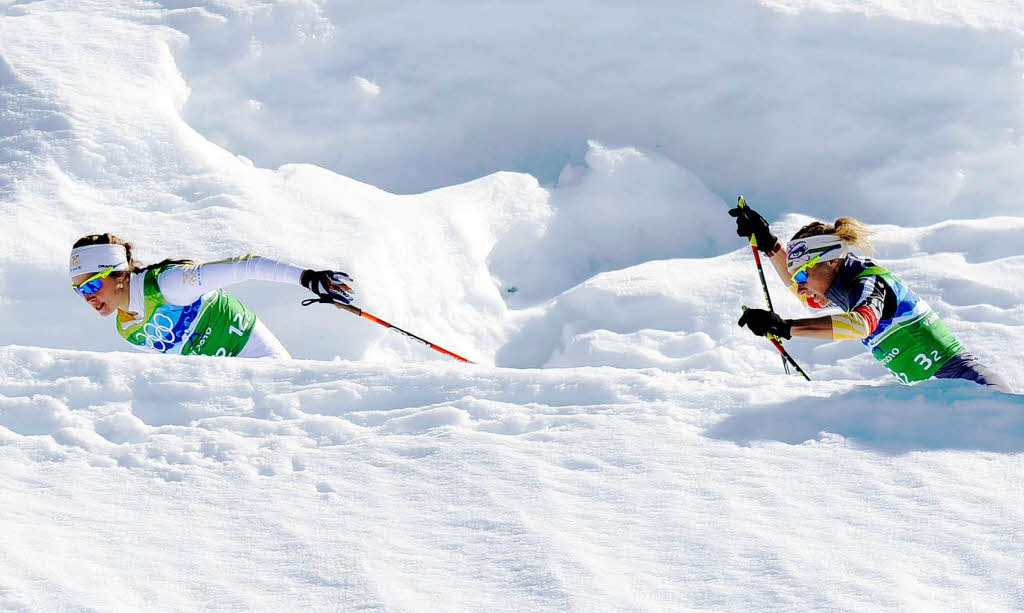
x,y
97,258
826,246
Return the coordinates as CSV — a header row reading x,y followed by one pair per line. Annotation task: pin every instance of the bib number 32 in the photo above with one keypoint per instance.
x,y
926,362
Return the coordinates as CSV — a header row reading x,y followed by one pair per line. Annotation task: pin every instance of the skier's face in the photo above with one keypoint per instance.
x,y
819,279
107,298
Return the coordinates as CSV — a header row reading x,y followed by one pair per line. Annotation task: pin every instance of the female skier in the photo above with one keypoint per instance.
x,y
899,328
177,306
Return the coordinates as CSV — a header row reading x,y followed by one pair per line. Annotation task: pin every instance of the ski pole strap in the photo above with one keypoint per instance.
x,y
327,300
324,299
344,307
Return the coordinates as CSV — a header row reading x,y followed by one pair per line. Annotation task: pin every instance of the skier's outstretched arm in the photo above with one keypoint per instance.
x,y
183,285
827,327
868,297
822,328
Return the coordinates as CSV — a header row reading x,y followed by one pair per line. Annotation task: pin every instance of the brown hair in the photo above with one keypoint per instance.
x,y
848,229
109,239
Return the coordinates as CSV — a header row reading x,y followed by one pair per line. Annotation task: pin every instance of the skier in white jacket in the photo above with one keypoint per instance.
x,y
180,307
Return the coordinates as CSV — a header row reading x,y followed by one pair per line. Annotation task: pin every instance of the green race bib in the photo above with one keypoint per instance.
x,y
917,348
217,324
915,343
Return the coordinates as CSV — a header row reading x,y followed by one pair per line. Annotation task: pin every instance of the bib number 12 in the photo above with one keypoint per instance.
x,y
242,319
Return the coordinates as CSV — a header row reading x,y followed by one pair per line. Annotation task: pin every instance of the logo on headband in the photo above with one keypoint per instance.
x,y
76,260
796,250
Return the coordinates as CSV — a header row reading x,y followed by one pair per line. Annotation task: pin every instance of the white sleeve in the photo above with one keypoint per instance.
x,y
183,285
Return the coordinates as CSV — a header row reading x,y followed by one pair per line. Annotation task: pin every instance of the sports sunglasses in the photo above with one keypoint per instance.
x,y
93,284
800,274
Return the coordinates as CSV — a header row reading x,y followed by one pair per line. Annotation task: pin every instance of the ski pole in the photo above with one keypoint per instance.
x,y
361,313
786,358
740,202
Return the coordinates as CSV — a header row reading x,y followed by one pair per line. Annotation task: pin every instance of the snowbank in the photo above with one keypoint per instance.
x,y
180,484
907,112
84,156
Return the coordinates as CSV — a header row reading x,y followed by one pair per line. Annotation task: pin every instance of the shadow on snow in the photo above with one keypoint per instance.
x,y
891,418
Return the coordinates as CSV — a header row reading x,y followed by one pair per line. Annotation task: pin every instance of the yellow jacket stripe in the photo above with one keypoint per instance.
x,y
850,326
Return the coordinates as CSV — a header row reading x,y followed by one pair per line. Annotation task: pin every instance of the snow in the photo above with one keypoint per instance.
x,y
180,483
622,444
812,106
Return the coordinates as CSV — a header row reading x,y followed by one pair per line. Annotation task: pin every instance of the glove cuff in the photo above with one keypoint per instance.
x,y
785,329
306,279
770,245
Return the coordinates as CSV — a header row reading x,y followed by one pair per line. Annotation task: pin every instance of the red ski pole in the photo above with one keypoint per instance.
x,y
361,313
786,358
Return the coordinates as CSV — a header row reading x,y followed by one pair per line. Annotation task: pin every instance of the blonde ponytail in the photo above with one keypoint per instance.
x,y
848,229
854,233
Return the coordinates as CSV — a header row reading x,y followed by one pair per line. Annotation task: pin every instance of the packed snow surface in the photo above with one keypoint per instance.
x,y
172,483
541,187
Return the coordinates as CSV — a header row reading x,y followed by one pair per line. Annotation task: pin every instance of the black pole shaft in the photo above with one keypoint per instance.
x,y
786,357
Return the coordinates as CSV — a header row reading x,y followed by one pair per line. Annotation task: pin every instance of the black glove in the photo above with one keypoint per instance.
x,y
329,285
750,223
762,322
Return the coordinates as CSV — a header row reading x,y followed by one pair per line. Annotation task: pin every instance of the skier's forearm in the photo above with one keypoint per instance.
x,y
813,327
184,285
779,263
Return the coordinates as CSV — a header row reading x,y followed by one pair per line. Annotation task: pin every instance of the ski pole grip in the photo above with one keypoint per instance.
x,y
325,300
348,307
740,202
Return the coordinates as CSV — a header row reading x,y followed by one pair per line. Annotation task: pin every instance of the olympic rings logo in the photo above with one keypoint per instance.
x,y
159,333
